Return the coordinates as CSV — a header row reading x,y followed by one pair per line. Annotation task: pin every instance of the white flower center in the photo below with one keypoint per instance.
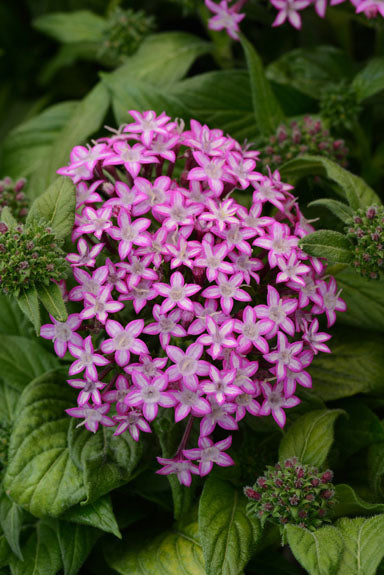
x,y
123,340
62,332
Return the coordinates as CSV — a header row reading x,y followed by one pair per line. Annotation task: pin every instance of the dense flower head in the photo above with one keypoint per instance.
x,y
30,255
124,32
366,230
292,493
13,197
307,136
187,300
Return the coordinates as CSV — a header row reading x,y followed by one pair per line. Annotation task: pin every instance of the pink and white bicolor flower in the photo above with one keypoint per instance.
x,y
209,453
149,394
183,468
187,365
227,289
285,356
124,341
62,333
275,402
177,293
94,415
86,359
165,325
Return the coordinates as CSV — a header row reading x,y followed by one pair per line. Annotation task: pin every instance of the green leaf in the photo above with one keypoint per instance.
x,y
329,244
267,111
227,534
347,502
139,95
354,366
69,27
41,553
375,461
52,299
339,209
9,397
310,437
177,552
56,207
11,520
5,554
27,146
12,319
40,475
76,542
162,59
363,545
370,80
318,552
98,514
28,302
107,461
349,186
22,359
310,70
7,217
220,99
85,120
364,299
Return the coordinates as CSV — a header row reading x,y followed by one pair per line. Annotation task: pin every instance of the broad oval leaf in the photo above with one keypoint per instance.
x,y
22,359
350,186
363,545
328,244
41,476
319,552
370,80
310,437
28,302
228,535
177,552
12,319
76,542
11,520
354,366
41,553
52,299
56,207
69,27
339,209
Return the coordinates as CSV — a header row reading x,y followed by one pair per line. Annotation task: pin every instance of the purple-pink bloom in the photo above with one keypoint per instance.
x,y
183,468
285,356
190,401
124,341
289,10
133,421
94,415
118,394
277,310
187,365
225,17
177,293
62,333
218,337
86,359
149,394
251,331
209,453
227,290
89,390
275,402
100,305
165,325
221,385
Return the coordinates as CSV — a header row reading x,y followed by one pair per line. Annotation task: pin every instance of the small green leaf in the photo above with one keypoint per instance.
x,y
41,553
347,502
9,396
318,552
370,80
363,545
70,27
375,462
5,554
40,475
56,207
11,520
52,299
354,366
173,552
227,534
310,437
106,461
12,319
7,217
351,187
22,359
98,514
340,210
328,244
76,542
267,110
28,302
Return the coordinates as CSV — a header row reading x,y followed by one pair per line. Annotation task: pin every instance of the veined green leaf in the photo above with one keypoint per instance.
x,y
28,302
52,299
339,209
370,80
41,553
319,552
310,437
347,502
363,545
11,519
98,514
70,27
76,542
227,534
328,244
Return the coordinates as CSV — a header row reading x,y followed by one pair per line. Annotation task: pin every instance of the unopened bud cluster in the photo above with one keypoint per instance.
x,y
366,230
308,136
13,197
125,31
339,106
30,255
291,492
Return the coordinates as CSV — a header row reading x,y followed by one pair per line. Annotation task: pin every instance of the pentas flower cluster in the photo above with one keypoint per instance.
x,y
227,16
292,493
307,136
187,300
13,197
366,231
